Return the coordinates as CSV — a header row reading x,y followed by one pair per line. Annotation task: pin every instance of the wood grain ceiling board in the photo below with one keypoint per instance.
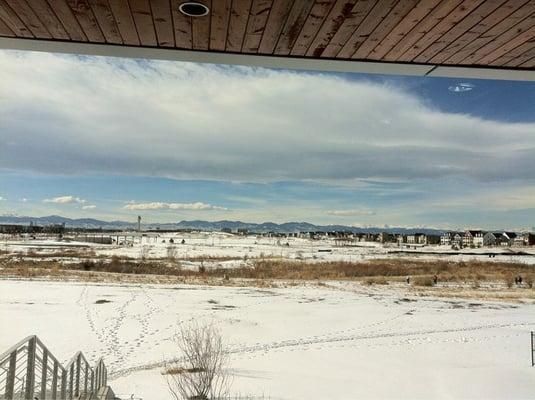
x,y
477,30
239,16
294,24
220,23
314,22
493,33
81,10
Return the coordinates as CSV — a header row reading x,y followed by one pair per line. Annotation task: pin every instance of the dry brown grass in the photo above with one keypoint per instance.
x,y
126,266
62,253
423,281
26,268
446,271
209,258
264,272
380,280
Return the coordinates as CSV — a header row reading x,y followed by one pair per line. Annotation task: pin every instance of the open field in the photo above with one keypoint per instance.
x,y
306,320
231,250
339,341
228,260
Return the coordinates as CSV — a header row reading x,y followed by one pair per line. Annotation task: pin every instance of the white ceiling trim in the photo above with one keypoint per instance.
x,y
254,60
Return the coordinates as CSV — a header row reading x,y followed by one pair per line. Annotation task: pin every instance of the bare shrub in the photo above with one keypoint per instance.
x,y
115,260
380,280
172,253
144,252
509,280
201,372
87,265
529,281
32,253
423,281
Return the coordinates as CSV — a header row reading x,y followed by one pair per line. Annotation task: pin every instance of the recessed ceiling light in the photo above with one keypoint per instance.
x,y
193,9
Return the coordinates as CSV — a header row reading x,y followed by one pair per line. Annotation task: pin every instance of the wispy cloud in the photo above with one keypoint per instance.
x,y
65,200
240,124
305,146
173,206
2,198
350,213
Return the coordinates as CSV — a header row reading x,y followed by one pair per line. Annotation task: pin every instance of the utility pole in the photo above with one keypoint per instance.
x,y
139,223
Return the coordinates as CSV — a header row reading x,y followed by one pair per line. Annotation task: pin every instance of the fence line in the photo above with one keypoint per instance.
x,y
28,370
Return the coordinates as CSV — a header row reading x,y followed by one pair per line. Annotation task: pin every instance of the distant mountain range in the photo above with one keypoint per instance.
x,y
287,227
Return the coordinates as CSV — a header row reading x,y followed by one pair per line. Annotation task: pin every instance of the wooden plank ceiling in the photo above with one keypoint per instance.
x,y
496,33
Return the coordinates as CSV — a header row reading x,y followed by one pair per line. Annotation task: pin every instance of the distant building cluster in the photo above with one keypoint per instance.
x,y
479,238
12,229
455,239
466,239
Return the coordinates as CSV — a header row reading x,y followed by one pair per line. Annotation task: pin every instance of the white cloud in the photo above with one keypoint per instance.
x,y
350,213
173,206
241,124
24,200
89,207
65,200
2,198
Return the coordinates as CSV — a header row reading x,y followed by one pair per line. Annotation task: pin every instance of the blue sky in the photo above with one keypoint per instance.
x,y
113,138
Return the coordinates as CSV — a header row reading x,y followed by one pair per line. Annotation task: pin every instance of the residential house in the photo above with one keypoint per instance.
x,y
385,237
473,238
519,241
452,239
416,238
492,239
508,238
529,239
432,239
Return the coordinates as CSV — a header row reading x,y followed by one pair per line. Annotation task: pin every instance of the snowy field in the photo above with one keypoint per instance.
x,y
239,250
343,341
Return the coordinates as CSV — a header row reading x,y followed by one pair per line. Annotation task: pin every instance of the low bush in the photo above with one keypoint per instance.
x,y
509,281
380,280
423,281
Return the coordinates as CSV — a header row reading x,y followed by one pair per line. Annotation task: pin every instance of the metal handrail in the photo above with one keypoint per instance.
x,y
29,370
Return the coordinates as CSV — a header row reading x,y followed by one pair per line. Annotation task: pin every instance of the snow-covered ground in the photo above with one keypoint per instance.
x,y
308,342
241,249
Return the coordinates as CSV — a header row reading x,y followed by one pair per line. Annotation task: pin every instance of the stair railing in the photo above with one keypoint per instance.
x,y
28,370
